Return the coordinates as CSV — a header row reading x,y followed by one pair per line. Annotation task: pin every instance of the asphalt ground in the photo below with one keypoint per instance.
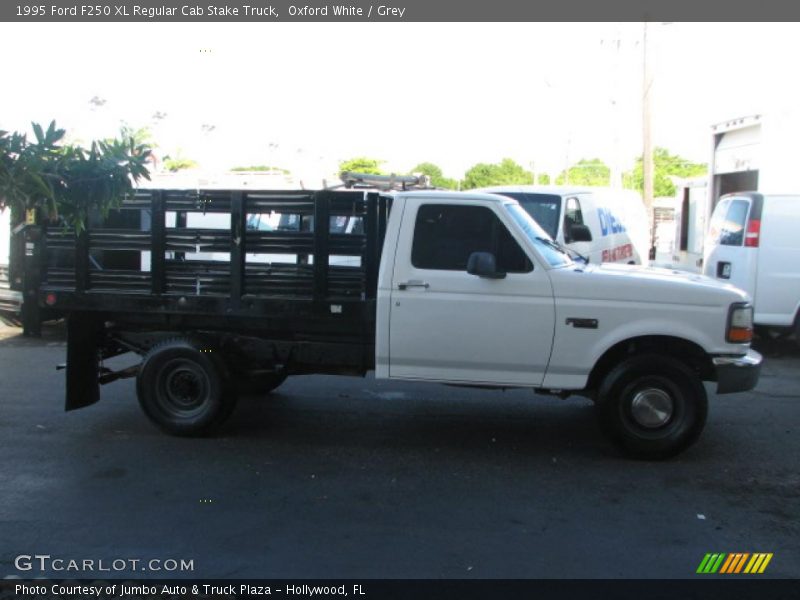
x,y
357,478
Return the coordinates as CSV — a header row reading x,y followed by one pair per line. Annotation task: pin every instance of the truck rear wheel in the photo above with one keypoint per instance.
x,y
183,390
652,406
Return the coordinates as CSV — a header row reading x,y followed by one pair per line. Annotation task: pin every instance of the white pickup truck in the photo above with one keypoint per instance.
x,y
454,288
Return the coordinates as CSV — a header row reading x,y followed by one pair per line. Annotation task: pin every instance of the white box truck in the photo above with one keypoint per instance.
x,y
10,300
755,153
692,213
752,239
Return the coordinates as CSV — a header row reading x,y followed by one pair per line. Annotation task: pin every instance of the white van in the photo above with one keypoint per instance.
x,y
604,225
753,243
10,301
5,236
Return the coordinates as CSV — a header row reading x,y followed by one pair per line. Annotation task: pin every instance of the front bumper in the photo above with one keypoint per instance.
x,y
737,373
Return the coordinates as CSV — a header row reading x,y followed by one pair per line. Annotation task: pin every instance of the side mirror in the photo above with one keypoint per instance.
x,y
483,264
579,233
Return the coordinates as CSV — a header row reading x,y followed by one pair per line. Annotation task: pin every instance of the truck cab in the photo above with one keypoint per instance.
x,y
461,278
474,292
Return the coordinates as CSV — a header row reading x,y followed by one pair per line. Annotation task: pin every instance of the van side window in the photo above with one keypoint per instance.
x,y
445,235
572,216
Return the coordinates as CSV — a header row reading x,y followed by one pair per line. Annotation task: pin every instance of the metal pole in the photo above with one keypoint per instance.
x,y
647,132
616,166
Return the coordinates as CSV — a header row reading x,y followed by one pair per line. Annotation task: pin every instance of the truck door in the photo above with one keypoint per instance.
x,y
449,325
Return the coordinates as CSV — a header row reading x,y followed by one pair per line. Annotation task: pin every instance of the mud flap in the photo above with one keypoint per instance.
x,y
83,336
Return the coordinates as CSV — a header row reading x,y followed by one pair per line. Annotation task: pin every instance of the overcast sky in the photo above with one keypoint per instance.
x,y
304,96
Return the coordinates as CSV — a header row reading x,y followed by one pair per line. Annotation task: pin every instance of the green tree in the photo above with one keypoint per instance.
x,y
361,164
435,173
666,165
261,168
140,135
67,181
178,163
505,172
592,172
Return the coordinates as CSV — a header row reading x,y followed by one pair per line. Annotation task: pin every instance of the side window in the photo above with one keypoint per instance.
x,y
732,231
717,219
445,235
572,216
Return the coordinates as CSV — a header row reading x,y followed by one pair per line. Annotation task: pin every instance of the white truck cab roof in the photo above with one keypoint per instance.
x,y
453,195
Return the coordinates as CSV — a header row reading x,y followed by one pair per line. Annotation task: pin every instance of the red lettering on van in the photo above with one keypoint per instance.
x,y
617,254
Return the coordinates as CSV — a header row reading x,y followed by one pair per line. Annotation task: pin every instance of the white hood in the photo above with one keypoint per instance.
x,y
644,284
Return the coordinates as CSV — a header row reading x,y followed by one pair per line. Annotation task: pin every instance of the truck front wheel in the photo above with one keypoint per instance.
x,y
652,406
182,389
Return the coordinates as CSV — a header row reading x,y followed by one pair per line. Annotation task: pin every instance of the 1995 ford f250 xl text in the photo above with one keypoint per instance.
x,y
453,288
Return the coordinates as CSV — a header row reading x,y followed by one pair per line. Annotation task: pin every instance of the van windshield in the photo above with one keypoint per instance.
x,y
552,252
728,222
544,208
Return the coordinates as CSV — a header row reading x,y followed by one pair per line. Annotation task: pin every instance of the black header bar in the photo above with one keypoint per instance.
x,y
270,11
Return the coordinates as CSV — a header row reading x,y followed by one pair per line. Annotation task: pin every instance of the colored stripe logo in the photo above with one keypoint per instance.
x,y
734,563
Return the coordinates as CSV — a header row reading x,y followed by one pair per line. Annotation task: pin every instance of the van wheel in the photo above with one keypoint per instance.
x,y
184,390
652,406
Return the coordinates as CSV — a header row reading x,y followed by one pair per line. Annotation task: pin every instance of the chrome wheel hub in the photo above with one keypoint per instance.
x,y
652,408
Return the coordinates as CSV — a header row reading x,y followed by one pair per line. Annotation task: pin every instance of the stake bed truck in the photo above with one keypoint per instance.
x,y
455,288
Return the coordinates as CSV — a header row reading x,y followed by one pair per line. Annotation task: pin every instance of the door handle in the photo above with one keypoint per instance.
x,y
413,283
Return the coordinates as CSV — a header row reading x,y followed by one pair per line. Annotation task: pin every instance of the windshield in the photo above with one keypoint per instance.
x,y
554,254
544,208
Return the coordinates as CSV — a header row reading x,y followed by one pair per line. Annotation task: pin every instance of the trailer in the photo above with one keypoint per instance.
x,y
318,317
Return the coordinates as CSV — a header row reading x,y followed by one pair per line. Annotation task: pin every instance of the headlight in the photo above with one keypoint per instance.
x,y
740,324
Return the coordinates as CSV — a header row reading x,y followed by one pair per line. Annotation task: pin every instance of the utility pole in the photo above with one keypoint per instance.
x,y
615,45
647,131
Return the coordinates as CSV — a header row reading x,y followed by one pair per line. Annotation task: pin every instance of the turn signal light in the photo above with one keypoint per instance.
x,y
740,324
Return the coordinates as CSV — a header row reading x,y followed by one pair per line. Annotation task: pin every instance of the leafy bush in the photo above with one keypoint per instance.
x,y
506,172
67,182
361,164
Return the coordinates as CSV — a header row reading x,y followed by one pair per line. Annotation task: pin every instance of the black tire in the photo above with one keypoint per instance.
x,y
652,406
183,389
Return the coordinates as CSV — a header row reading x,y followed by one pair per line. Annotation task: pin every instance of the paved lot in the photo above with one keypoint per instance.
x,y
343,477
